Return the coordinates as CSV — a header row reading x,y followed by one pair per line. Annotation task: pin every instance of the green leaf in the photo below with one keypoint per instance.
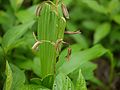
x,y
9,79
116,18
71,26
81,40
5,19
16,4
36,81
48,81
12,37
114,36
95,6
0,39
91,25
26,15
74,14
36,64
88,73
15,77
101,32
32,87
75,48
18,77
112,62
113,6
78,79
1,55
97,81
62,82
79,58
26,64
67,2
80,82
87,70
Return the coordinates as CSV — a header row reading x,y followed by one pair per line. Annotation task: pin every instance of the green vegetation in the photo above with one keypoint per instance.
x,y
49,58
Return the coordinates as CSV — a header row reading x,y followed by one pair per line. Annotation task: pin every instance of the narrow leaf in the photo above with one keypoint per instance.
x,y
16,4
9,79
80,82
11,37
116,18
48,81
101,31
113,6
62,82
95,6
32,87
26,15
88,70
79,58
18,77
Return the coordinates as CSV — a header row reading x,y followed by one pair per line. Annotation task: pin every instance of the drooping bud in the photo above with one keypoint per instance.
x,y
38,10
65,11
69,54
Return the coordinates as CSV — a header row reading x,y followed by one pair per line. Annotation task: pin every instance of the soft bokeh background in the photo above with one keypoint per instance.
x,y
98,21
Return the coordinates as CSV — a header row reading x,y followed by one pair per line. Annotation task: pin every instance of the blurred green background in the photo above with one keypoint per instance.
x,y
98,21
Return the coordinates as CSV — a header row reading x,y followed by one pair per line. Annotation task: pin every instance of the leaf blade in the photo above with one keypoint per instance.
x,y
9,79
80,58
62,82
101,32
12,36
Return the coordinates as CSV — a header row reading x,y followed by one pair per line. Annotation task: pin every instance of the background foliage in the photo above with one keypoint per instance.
x,y
99,23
